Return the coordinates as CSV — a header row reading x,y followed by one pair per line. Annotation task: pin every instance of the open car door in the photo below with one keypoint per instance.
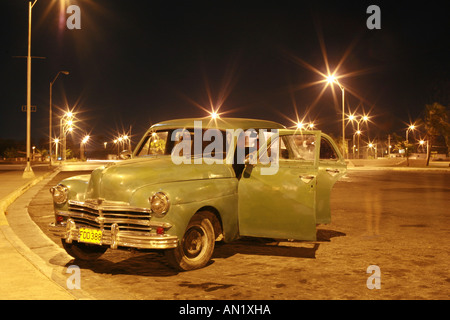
x,y
332,166
281,205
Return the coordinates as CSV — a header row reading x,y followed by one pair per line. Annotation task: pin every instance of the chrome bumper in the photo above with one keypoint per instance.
x,y
116,238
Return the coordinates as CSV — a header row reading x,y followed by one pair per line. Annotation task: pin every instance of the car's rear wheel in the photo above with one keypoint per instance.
x,y
84,251
196,248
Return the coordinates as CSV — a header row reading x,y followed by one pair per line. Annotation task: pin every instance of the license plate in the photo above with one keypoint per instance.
x,y
90,235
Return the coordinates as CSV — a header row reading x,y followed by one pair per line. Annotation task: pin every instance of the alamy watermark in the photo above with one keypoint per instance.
x,y
74,280
74,20
374,280
374,20
211,147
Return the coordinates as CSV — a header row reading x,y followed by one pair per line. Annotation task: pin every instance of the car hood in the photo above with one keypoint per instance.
x,y
118,181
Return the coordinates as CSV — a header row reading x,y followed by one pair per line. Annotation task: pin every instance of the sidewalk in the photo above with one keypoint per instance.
x,y
23,274
397,164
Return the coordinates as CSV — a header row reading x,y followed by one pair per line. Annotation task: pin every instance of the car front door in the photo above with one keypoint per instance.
x,y
281,205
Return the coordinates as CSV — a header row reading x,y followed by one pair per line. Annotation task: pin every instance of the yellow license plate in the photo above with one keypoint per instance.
x,y
90,235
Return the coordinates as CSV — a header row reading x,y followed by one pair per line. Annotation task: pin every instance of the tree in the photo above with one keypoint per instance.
x,y
436,124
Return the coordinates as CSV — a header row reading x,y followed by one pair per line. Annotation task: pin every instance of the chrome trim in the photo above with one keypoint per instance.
x,y
114,235
99,213
122,225
98,220
116,238
100,204
70,225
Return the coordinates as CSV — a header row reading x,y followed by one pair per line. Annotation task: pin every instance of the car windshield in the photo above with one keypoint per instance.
x,y
181,142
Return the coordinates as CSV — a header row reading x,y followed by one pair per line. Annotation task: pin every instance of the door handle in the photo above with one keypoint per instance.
x,y
307,178
332,172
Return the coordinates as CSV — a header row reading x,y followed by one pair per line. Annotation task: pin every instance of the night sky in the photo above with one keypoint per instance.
x,y
135,63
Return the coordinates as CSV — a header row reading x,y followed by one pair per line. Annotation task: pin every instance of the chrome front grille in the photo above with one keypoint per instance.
x,y
101,214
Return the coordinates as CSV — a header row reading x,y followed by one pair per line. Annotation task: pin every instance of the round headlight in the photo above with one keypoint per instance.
x,y
60,193
159,203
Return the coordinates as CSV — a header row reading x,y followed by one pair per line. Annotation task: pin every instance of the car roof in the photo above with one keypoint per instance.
x,y
219,123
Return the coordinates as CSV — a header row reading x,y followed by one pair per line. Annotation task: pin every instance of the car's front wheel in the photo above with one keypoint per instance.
x,y
84,251
196,247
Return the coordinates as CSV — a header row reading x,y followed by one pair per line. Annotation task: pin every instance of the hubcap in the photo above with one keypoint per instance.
x,y
193,242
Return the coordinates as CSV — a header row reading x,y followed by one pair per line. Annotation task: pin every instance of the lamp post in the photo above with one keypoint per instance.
x,y
411,127
28,172
358,131
56,148
127,139
369,146
332,79
83,147
62,126
50,116
116,143
120,139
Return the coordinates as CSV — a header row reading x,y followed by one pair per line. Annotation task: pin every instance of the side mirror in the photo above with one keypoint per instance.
x,y
249,165
247,162
250,159
125,154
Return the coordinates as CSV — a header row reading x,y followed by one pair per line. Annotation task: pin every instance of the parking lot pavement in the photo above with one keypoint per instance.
x,y
26,274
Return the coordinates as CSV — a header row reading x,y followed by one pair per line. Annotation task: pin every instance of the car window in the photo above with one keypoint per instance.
x,y
284,152
155,144
163,142
295,147
327,151
302,146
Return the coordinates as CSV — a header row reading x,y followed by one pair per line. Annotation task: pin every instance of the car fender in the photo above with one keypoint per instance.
x,y
189,197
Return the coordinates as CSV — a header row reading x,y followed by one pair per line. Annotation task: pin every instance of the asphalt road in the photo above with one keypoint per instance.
x,y
397,221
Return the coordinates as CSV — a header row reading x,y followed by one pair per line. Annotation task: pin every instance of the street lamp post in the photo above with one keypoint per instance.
x,y
50,116
117,144
358,131
332,79
422,142
83,147
67,123
56,148
411,127
28,172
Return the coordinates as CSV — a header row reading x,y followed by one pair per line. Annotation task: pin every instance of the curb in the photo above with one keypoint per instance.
x,y
422,169
39,263
10,198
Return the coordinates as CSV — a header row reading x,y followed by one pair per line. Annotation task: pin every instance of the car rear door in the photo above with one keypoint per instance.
x,y
283,204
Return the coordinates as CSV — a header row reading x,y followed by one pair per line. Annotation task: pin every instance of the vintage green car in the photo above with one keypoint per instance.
x,y
191,182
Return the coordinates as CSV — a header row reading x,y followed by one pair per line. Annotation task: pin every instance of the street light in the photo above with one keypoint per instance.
x,y
214,115
117,144
358,132
372,145
50,115
422,142
354,118
67,118
28,172
411,127
56,147
83,146
332,79
305,126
